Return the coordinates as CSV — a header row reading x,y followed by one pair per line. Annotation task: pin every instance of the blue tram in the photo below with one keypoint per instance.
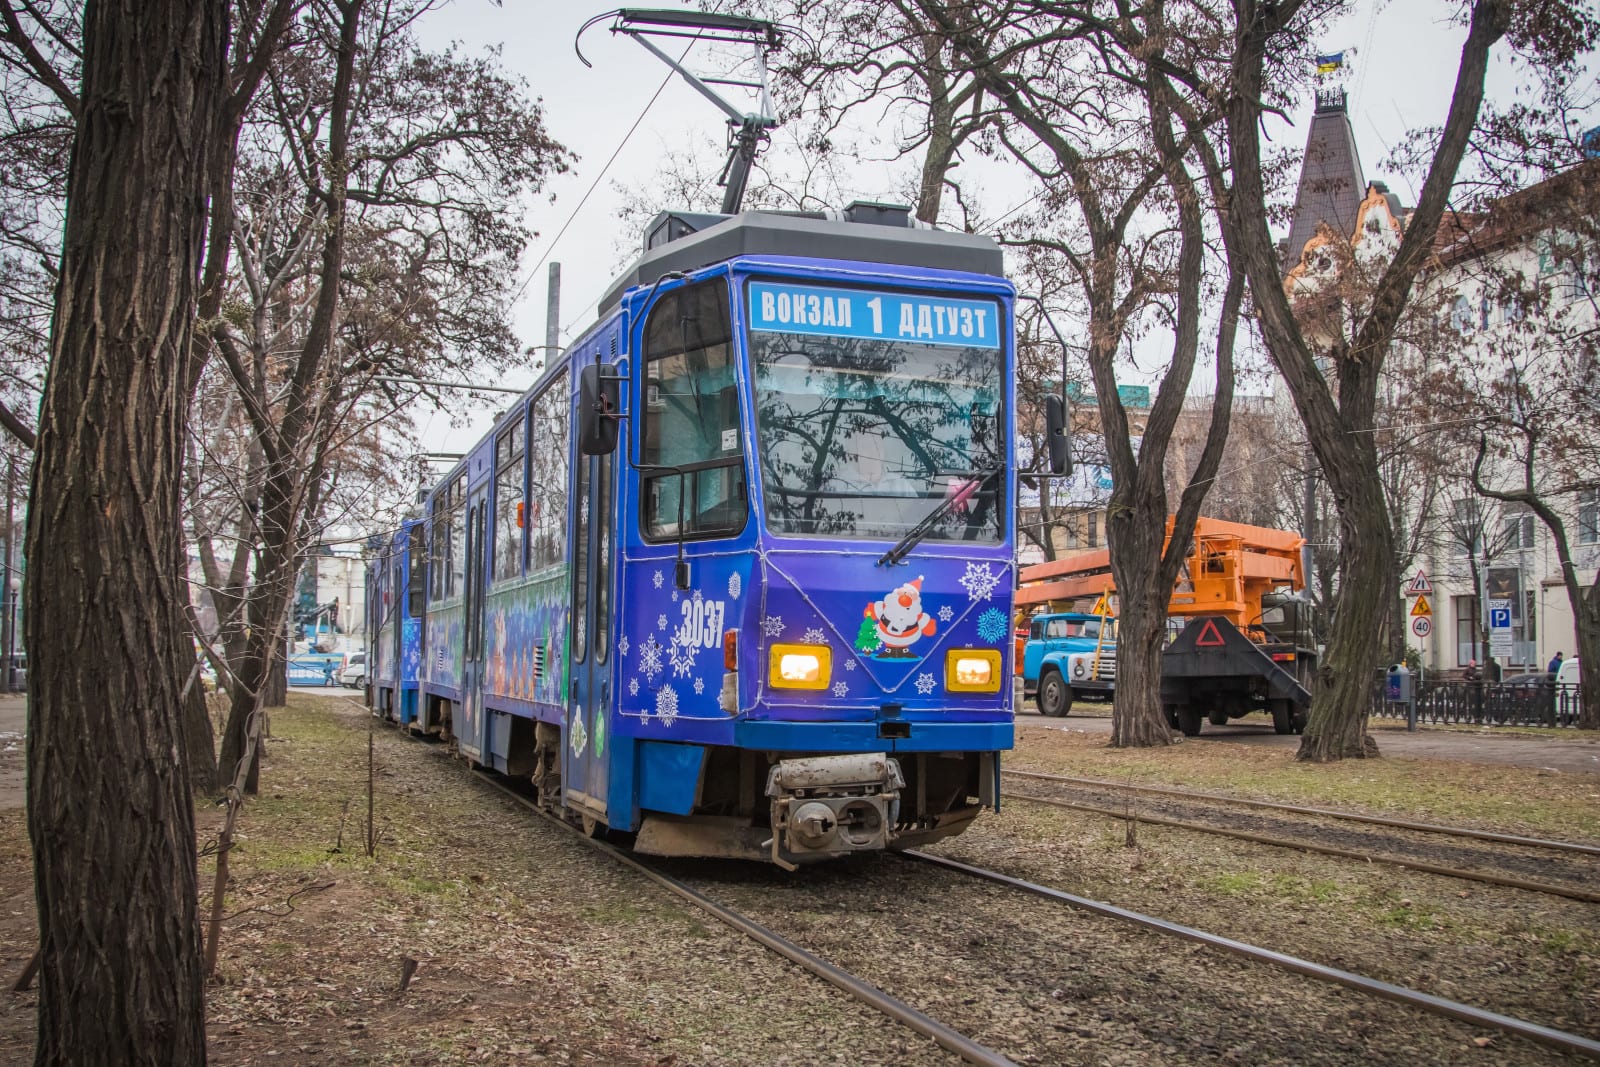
x,y
395,595
735,576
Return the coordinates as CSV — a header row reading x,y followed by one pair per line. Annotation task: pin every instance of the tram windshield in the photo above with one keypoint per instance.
x,y
864,434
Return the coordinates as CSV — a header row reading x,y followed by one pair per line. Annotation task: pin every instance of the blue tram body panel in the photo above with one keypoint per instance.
x,y
774,621
394,628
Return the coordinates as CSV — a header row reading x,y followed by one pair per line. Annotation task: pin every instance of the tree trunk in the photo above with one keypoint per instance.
x,y
1342,690
109,808
1586,614
199,743
275,687
1139,720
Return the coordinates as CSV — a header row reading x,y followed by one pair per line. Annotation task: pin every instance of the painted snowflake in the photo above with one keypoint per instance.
x,y
681,652
667,705
650,658
946,612
992,626
815,636
735,586
657,578
622,647
661,622
674,596
633,687
579,736
979,581
698,595
849,664
772,625
699,686
925,684
840,689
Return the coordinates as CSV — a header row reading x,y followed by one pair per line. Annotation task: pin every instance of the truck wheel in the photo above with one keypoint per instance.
x,y
1055,699
1171,712
1299,719
1188,721
1282,717
1217,717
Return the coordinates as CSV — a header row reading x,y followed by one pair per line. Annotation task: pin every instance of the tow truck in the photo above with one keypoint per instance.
x,y
1243,632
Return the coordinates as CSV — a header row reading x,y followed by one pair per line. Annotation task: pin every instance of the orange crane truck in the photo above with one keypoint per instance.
x,y
1244,633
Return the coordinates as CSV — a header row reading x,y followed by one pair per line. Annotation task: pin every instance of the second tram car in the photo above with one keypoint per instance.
x,y
735,576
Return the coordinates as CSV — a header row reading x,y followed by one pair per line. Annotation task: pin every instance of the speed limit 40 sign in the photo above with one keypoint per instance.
x,y
1422,626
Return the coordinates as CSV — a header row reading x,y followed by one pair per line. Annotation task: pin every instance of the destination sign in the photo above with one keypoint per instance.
x,y
875,315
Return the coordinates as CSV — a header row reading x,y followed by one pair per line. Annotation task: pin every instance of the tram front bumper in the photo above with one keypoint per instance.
x,y
826,805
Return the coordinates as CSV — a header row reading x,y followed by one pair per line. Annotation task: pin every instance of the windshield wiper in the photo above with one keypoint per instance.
x,y
912,536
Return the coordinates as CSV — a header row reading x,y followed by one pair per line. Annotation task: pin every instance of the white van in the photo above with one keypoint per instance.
x,y
1569,674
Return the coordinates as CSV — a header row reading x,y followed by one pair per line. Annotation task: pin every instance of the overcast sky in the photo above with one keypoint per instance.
x,y
1401,77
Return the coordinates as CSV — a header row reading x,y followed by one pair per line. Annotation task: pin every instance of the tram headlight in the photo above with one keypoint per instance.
x,y
972,670
800,666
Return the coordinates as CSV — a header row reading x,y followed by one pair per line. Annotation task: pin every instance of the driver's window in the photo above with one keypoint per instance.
x,y
691,418
1057,628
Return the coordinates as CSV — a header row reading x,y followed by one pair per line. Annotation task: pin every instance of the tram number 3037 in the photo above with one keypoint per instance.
x,y
702,623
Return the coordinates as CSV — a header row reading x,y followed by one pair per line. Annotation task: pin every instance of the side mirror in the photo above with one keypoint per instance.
x,y
599,398
1055,432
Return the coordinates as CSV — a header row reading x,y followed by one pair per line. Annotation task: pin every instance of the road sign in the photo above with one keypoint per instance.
x,y
1419,585
1210,636
1500,619
1500,643
1422,626
1421,609
1101,606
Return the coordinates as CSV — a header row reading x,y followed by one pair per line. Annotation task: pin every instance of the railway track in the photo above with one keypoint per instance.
x,y
972,1051
1525,862
1328,813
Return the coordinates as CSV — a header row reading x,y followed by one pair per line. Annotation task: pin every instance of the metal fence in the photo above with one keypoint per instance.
x,y
1521,702
316,668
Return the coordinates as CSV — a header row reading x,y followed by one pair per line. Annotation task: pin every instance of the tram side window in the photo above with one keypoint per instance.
x,y
547,476
418,563
456,578
691,419
436,548
508,524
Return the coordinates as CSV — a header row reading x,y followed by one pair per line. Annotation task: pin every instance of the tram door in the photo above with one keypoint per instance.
x,y
471,732
585,772
395,607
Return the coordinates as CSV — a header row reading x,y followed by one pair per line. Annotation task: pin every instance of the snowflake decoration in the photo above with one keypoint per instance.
x,y
681,652
633,687
849,664
667,705
622,646
815,636
735,586
580,737
657,578
840,689
772,625
992,626
674,596
979,581
945,613
661,622
697,595
699,686
650,658
925,684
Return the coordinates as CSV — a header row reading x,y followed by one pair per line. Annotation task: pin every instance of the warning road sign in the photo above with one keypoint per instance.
x,y
1422,626
1101,606
1419,585
1210,636
1421,609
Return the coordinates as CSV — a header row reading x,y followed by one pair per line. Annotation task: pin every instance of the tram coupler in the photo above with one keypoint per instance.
x,y
826,805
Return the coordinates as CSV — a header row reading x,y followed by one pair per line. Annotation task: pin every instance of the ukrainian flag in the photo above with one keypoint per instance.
x,y
1329,64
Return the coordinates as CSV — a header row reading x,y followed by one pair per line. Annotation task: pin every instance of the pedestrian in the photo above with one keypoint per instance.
x,y
1555,666
1475,689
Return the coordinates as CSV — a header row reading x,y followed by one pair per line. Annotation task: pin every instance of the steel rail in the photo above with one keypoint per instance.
x,y
1349,816
1573,893
945,1037
1558,1039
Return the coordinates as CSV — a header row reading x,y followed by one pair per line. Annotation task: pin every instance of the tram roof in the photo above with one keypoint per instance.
x,y
867,233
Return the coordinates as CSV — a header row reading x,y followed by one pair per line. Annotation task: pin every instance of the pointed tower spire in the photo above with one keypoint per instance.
x,y
1331,182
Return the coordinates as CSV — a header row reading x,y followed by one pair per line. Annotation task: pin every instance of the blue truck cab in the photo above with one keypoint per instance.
x,y
1067,658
